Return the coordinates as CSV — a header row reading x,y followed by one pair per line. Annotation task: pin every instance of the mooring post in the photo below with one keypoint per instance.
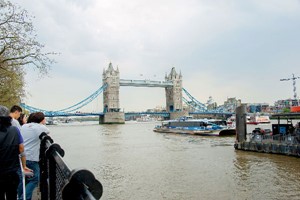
x,y
241,127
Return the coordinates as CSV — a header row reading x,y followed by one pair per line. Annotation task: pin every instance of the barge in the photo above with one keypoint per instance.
x,y
283,138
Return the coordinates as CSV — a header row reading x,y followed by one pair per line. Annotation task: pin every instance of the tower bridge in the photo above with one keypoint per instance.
x,y
111,101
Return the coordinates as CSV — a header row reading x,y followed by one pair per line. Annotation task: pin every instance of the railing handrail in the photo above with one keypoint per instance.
x,y
280,138
58,181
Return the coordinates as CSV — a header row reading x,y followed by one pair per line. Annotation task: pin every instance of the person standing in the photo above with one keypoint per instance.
x,y
31,132
15,112
22,119
11,146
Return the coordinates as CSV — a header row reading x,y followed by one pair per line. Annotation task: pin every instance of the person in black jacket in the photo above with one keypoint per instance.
x,y
11,146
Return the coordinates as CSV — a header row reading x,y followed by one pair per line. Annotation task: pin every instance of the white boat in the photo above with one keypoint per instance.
x,y
263,119
204,127
145,118
51,122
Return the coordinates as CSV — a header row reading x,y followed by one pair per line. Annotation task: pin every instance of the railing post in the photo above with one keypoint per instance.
x,y
79,182
52,150
44,165
52,178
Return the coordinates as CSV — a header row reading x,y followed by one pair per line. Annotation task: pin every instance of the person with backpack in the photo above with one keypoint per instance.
x,y
11,147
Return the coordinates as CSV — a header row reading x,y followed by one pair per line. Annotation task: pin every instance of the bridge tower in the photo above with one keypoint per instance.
x,y
111,101
174,95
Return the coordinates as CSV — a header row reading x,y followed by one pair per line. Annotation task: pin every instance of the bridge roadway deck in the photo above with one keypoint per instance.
x,y
164,114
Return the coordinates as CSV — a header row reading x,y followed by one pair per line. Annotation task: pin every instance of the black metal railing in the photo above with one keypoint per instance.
x,y
278,138
58,182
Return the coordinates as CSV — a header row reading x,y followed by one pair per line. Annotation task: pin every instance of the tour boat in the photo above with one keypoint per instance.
x,y
203,127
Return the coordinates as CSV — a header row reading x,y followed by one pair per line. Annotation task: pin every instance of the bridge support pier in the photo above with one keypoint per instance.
x,y
177,114
112,118
241,126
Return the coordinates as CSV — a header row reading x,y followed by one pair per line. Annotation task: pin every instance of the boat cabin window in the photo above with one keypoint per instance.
x,y
187,124
220,122
184,118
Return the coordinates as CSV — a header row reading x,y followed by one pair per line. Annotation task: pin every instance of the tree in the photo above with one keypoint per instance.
x,y
11,86
19,48
286,110
18,43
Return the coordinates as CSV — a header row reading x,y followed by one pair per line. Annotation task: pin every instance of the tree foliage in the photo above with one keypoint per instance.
x,y
18,43
19,49
11,86
286,110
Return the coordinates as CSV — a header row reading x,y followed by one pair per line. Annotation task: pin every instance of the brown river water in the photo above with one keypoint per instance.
x,y
133,162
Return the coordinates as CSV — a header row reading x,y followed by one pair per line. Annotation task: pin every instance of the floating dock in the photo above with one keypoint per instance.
x,y
270,147
284,138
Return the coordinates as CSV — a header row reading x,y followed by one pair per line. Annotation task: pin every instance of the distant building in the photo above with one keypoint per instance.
x,y
231,103
211,104
285,103
157,109
258,107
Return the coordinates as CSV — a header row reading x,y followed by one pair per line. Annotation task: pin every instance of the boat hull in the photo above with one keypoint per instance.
x,y
224,132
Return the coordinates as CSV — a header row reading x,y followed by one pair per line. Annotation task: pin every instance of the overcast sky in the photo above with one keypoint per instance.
x,y
223,48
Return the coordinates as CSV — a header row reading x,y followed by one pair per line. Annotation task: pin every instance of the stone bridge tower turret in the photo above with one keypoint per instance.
x,y
111,101
174,95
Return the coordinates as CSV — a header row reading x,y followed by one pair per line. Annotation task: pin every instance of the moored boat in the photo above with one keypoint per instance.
x,y
262,119
203,127
145,118
254,120
51,122
249,120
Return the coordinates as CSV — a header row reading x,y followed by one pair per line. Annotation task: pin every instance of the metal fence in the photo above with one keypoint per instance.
x,y
58,182
289,139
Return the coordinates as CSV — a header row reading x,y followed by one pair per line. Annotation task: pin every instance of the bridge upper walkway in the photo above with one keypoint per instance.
x,y
145,83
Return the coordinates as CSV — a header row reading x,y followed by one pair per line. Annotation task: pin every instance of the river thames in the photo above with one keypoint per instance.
x,y
133,162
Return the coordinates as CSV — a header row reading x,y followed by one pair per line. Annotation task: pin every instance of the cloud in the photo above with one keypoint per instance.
x,y
223,48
